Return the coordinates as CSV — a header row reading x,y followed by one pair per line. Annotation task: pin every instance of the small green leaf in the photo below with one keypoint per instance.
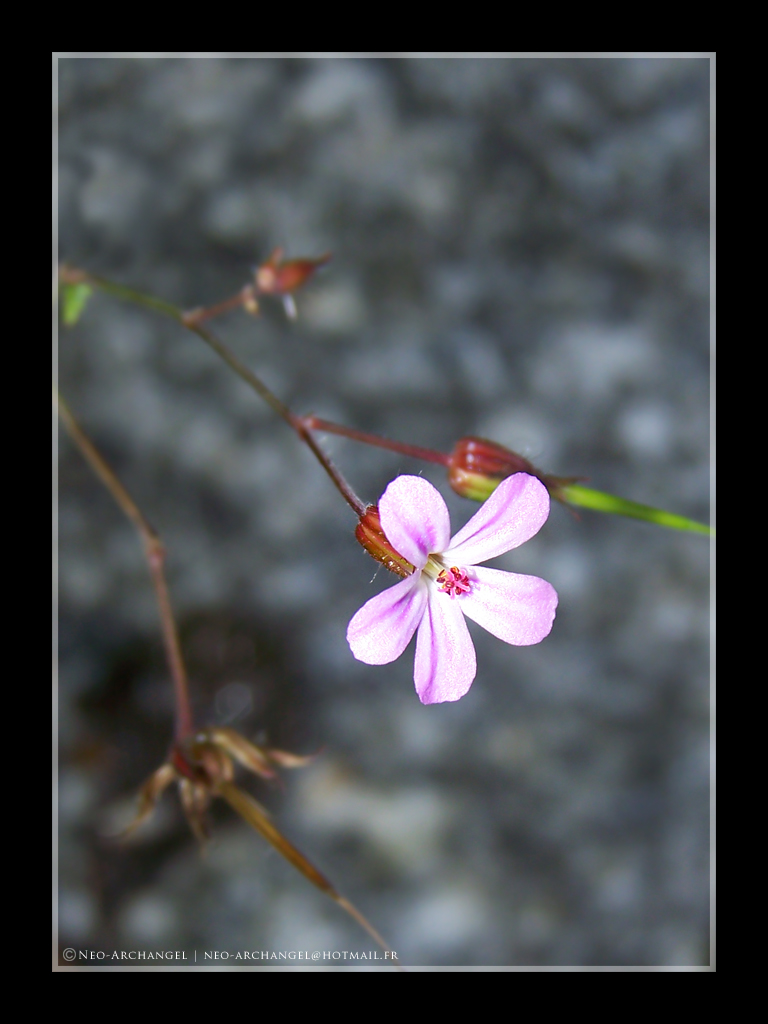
x,y
585,497
73,300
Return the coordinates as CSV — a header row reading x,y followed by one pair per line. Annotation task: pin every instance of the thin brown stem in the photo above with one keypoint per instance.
x,y
244,297
155,554
358,506
414,451
74,275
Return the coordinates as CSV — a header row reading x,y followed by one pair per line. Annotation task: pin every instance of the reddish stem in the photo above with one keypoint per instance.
x,y
196,316
299,424
414,451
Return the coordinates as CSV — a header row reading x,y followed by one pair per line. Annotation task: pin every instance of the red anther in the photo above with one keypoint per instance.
x,y
454,581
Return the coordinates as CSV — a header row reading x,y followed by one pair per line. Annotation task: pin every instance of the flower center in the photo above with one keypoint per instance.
x,y
454,581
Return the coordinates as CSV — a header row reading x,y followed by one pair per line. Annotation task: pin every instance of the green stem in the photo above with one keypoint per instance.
x,y
563,489
585,497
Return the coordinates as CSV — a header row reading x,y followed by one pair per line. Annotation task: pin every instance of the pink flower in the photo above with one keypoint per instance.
x,y
448,584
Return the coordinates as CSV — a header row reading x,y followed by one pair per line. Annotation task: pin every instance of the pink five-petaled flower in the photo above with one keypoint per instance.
x,y
448,584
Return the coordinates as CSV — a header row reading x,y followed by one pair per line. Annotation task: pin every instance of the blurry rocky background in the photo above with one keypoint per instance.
x,y
520,252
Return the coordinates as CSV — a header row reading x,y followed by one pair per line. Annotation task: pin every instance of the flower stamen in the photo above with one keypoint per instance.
x,y
454,581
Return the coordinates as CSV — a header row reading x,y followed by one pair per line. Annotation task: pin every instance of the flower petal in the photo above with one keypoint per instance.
x,y
517,609
414,518
382,629
514,513
445,662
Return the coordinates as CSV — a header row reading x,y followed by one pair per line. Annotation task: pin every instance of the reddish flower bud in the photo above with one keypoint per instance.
x,y
477,467
370,534
278,277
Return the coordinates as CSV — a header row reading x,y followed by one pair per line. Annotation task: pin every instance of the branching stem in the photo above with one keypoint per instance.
x,y
567,490
73,275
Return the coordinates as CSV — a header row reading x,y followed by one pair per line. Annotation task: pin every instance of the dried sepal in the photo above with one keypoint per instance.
x,y
258,760
149,794
202,765
287,760
247,754
209,762
195,799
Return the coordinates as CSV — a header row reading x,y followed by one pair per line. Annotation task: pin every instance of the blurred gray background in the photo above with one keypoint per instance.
x,y
521,251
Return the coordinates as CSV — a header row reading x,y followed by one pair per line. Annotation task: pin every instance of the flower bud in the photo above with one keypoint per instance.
x,y
370,534
279,277
477,467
